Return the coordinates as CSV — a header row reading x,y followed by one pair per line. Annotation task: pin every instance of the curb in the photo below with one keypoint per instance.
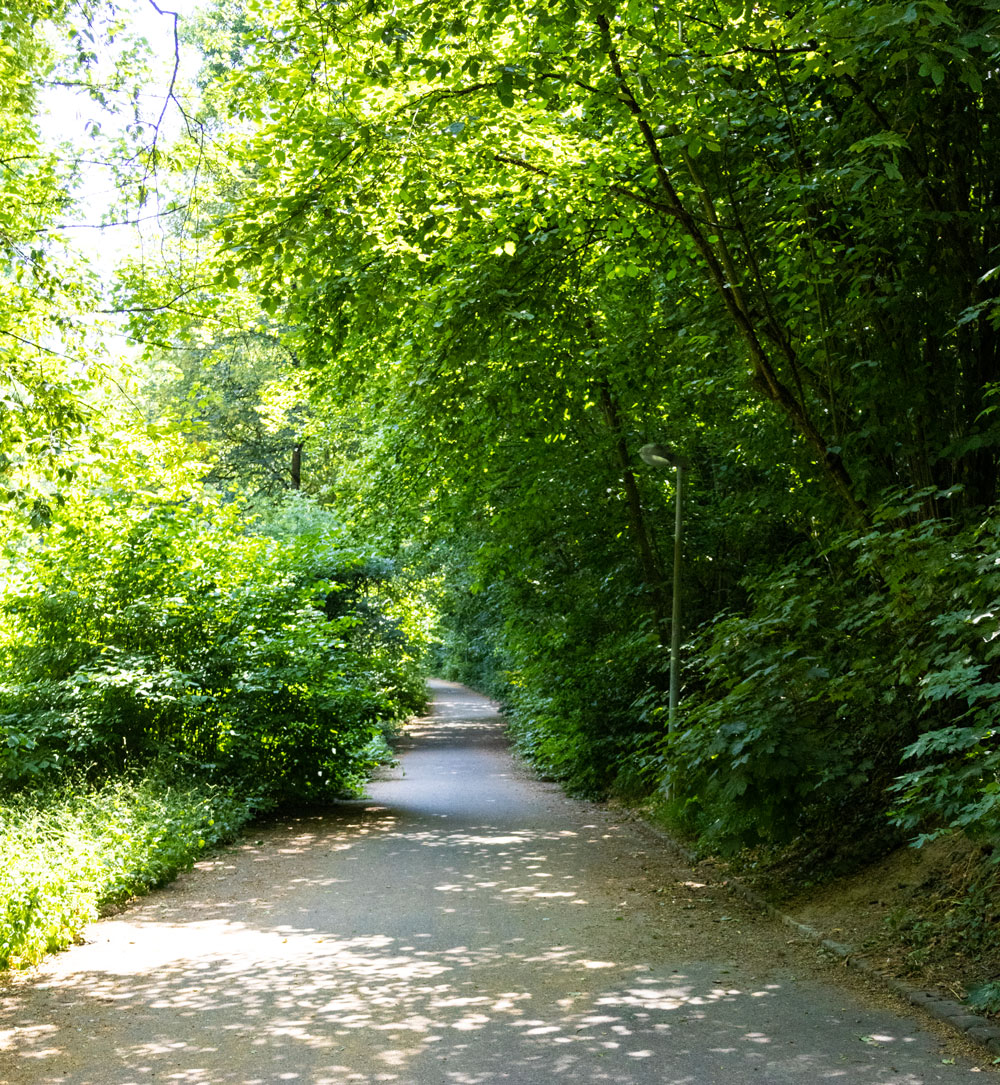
x,y
945,1010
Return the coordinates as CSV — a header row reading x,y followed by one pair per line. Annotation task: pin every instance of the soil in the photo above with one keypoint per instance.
x,y
923,915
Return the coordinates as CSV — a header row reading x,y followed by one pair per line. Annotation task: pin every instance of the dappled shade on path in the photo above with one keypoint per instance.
x,y
466,924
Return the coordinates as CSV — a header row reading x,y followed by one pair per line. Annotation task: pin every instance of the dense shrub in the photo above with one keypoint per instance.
x,y
572,711
866,672
788,712
142,623
228,660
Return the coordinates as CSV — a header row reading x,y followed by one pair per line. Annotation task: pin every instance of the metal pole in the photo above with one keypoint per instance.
x,y
662,456
675,616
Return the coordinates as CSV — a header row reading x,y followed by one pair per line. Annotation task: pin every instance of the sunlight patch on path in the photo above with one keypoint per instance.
x,y
465,926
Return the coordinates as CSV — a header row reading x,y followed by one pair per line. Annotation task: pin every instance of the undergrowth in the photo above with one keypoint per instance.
x,y
956,916
69,856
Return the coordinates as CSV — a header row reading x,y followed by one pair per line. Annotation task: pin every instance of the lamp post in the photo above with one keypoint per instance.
x,y
660,456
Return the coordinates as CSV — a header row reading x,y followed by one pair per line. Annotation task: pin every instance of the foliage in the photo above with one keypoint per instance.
x,y
146,621
880,647
582,730
512,250
36,305
985,998
238,403
462,157
951,597
55,364
786,711
471,259
70,854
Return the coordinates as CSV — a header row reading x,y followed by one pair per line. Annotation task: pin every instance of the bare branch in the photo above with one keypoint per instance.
x,y
173,75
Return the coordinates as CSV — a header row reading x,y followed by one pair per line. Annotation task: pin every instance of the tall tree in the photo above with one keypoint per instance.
x,y
512,243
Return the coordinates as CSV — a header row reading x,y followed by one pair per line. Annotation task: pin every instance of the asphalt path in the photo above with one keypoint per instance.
x,y
465,925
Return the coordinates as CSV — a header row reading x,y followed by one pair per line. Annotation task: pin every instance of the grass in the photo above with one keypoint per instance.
x,y
68,856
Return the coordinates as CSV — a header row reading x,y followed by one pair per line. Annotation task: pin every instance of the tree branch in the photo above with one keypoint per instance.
x,y
616,190
732,295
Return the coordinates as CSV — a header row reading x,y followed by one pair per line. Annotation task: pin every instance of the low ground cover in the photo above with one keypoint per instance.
x,y
69,856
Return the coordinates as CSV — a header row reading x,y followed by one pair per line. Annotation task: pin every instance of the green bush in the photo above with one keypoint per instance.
x,y
68,856
948,601
785,713
571,704
259,656
144,624
879,654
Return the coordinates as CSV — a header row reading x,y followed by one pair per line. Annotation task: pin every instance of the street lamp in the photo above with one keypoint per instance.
x,y
660,456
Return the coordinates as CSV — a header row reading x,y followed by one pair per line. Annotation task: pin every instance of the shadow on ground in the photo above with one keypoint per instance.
x,y
465,925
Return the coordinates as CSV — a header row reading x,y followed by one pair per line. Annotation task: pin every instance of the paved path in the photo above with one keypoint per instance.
x,y
466,926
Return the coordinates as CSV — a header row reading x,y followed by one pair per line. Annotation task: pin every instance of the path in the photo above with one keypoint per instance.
x,y
466,926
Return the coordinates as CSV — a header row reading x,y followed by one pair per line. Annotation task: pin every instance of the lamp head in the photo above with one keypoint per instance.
x,y
661,456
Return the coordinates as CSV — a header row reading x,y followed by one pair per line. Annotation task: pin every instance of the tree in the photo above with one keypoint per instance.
x,y
52,361
513,243
241,402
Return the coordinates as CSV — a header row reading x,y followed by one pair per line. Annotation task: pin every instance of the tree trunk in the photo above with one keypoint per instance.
x,y
651,572
297,466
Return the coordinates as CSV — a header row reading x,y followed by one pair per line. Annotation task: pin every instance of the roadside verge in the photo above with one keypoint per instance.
x,y
949,1011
